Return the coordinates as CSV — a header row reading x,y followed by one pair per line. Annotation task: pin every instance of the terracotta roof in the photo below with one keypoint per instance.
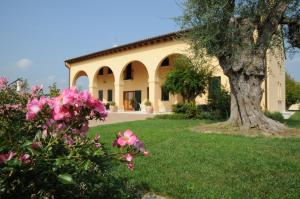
x,y
129,46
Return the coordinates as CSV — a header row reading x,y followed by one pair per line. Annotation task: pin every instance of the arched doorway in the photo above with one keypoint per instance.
x,y
134,78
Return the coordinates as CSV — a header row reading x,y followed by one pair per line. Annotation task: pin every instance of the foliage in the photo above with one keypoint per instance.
x,y
177,116
44,150
292,90
219,103
147,103
275,116
239,34
188,164
188,78
113,103
53,90
217,108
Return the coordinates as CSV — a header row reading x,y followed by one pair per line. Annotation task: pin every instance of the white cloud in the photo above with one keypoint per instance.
x,y
24,63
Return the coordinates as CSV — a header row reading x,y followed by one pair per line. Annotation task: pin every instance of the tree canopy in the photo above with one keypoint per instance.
x,y
239,33
292,90
188,78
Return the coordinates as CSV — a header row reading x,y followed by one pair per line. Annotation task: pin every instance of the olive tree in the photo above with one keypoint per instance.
x,y
239,33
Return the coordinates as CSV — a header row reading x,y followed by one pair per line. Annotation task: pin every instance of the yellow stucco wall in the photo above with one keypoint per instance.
x,y
147,72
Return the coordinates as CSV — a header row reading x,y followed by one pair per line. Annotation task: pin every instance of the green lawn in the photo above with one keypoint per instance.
x,y
185,164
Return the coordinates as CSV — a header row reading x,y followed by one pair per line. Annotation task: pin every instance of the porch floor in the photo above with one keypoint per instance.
x,y
117,117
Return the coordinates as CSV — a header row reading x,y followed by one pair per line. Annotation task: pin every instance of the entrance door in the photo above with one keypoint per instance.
x,y
132,100
128,100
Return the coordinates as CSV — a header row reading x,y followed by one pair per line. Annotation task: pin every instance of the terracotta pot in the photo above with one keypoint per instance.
x,y
149,109
113,108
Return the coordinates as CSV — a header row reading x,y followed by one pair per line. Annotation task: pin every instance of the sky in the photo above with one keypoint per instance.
x,y
37,36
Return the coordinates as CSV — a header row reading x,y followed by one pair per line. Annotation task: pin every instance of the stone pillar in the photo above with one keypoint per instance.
x,y
93,91
154,90
119,95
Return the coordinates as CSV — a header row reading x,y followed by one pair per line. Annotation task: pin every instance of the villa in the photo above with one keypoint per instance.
x,y
136,72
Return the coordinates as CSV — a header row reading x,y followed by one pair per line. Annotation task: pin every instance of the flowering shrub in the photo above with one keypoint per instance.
x,y
45,151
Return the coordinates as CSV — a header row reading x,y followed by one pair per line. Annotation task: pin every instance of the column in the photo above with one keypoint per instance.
x,y
154,94
119,95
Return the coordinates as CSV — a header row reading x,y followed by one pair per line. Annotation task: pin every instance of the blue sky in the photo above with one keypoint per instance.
x,y
37,36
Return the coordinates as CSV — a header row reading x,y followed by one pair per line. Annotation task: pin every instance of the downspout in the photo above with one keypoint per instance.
x,y
67,65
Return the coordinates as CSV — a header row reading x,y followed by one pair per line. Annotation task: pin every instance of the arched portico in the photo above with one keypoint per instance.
x,y
149,56
104,84
78,75
133,86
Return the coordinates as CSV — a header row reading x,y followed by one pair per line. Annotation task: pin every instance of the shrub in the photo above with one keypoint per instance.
x,y
147,103
275,116
44,150
178,116
220,104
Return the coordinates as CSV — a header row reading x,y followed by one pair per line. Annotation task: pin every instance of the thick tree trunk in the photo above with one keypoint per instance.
x,y
246,96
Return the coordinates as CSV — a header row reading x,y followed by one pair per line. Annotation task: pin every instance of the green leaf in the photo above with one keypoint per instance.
x,y
98,152
87,165
26,144
66,178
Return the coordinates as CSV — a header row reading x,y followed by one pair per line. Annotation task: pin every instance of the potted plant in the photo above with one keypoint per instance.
x,y
148,107
113,107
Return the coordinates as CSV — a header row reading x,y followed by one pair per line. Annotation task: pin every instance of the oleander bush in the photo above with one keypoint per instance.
x,y
45,151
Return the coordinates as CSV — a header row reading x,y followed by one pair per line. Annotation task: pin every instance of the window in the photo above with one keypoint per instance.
x,y
128,72
109,71
100,95
164,94
109,95
101,71
166,62
214,87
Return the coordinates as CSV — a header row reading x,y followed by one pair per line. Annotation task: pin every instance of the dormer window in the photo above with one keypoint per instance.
x,y
166,62
128,72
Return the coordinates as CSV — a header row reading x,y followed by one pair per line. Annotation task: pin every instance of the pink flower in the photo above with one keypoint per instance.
x,y
128,157
37,88
127,137
97,145
25,158
97,137
3,82
33,107
139,145
36,145
146,153
130,165
6,157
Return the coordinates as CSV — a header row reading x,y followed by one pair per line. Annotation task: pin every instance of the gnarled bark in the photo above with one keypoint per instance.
x,y
246,95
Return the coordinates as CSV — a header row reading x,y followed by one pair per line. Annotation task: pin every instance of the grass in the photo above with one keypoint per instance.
x,y
294,121
185,164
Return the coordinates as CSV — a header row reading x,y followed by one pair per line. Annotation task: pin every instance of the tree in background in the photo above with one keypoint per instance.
x,y
239,33
53,90
188,78
292,91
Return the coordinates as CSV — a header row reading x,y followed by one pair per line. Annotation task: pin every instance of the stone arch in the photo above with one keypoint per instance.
x,y
79,74
103,84
134,78
165,100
